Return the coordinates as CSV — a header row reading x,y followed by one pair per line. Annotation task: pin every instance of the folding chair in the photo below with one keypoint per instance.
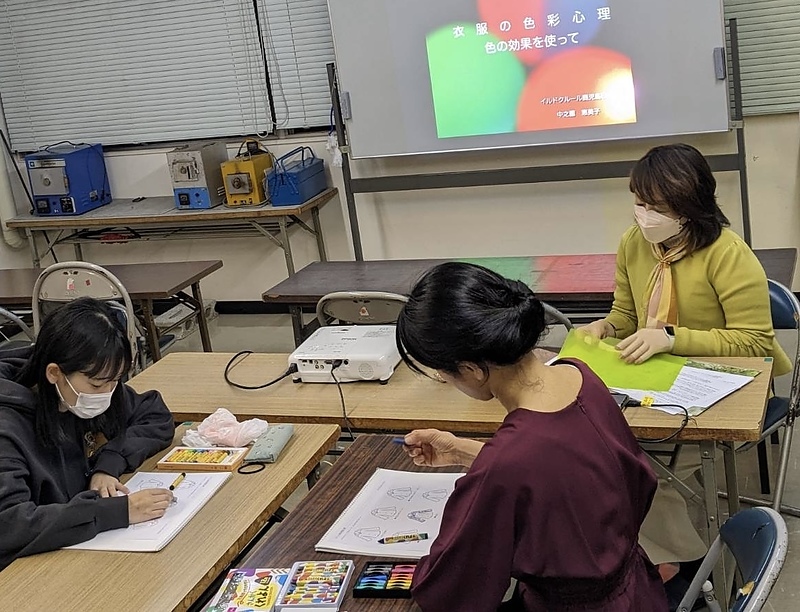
x,y
758,540
7,342
360,307
553,316
781,411
70,280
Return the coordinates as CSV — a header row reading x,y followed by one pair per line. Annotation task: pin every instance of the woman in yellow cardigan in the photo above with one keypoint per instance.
x,y
688,285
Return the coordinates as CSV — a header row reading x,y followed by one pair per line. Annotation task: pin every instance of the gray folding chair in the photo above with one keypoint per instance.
x,y
8,342
360,307
758,540
70,280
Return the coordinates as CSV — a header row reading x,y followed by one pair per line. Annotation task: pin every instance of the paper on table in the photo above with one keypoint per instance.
x,y
656,374
192,494
391,503
697,387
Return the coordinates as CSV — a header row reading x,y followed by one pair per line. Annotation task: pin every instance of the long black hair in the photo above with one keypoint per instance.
x,y
460,312
86,336
678,176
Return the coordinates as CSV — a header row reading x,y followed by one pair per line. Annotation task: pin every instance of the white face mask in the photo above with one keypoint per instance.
x,y
656,227
89,405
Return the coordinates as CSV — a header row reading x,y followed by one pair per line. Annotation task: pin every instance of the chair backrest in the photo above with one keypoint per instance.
x,y
70,280
360,307
553,316
758,540
785,311
5,341
784,306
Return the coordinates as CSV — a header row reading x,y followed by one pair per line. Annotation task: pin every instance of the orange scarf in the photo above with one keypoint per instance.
x,y
662,301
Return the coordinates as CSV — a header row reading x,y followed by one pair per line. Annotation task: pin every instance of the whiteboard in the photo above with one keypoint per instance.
x,y
429,76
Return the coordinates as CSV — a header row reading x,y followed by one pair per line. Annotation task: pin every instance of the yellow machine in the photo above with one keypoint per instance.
x,y
244,175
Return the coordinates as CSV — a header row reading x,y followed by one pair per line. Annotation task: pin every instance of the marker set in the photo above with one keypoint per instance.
x,y
315,585
385,580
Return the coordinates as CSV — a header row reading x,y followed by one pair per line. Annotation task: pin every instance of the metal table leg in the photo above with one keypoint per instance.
x,y
297,324
708,461
287,248
201,318
32,245
318,233
731,477
152,331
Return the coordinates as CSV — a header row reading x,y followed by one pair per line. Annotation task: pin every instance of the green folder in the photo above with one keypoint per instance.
x,y
656,374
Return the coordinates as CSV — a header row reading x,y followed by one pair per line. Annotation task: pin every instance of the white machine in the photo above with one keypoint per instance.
x,y
352,352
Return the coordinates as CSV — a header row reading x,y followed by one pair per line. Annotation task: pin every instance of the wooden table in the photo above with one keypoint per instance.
x,y
144,283
294,539
578,285
193,387
157,218
175,577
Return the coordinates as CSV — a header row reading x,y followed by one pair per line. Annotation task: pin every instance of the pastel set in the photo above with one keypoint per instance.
x,y
385,580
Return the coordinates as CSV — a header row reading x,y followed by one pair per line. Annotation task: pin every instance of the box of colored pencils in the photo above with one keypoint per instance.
x,y
315,585
385,580
187,459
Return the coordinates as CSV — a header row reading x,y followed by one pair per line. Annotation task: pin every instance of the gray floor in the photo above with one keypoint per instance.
x,y
272,333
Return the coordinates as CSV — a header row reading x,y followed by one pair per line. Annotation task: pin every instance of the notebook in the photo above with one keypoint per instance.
x,y
192,493
391,503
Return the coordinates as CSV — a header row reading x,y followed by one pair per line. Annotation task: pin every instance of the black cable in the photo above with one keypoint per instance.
x,y
347,423
684,421
270,97
289,371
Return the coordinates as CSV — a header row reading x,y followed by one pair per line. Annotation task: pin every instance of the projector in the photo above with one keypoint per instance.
x,y
347,353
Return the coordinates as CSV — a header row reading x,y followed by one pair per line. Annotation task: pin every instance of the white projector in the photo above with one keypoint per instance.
x,y
347,354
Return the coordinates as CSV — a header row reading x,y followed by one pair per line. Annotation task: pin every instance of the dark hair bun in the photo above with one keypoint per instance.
x,y
460,312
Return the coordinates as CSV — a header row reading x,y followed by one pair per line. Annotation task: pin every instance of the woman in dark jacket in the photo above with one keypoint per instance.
x,y
68,429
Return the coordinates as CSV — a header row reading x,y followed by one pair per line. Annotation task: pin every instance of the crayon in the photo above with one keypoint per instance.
x,y
398,440
408,537
177,481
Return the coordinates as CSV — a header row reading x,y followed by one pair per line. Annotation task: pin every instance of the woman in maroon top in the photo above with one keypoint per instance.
x,y
556,498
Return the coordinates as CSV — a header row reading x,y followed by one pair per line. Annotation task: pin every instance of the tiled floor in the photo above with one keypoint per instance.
x,y
272,333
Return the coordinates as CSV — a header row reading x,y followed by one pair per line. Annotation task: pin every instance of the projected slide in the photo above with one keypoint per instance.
x,y
530,65
439,76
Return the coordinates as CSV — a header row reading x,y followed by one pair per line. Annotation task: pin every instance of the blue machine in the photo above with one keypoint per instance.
x,y
68,179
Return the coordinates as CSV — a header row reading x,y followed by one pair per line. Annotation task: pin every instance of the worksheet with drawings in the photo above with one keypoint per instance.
x,y
191,494
391,503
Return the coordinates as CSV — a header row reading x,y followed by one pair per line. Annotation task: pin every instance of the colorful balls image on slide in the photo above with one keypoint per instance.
x,y
507,20
538,29
474,92
579,88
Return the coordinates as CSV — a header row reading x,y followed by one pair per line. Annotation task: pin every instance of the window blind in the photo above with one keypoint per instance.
x,y
769,31
130,71
299,44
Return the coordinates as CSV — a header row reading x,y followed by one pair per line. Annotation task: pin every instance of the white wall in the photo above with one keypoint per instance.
x,y
574,217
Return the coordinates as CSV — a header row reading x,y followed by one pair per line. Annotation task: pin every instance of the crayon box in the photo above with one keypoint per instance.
x,y
249,590
214,459
315,585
